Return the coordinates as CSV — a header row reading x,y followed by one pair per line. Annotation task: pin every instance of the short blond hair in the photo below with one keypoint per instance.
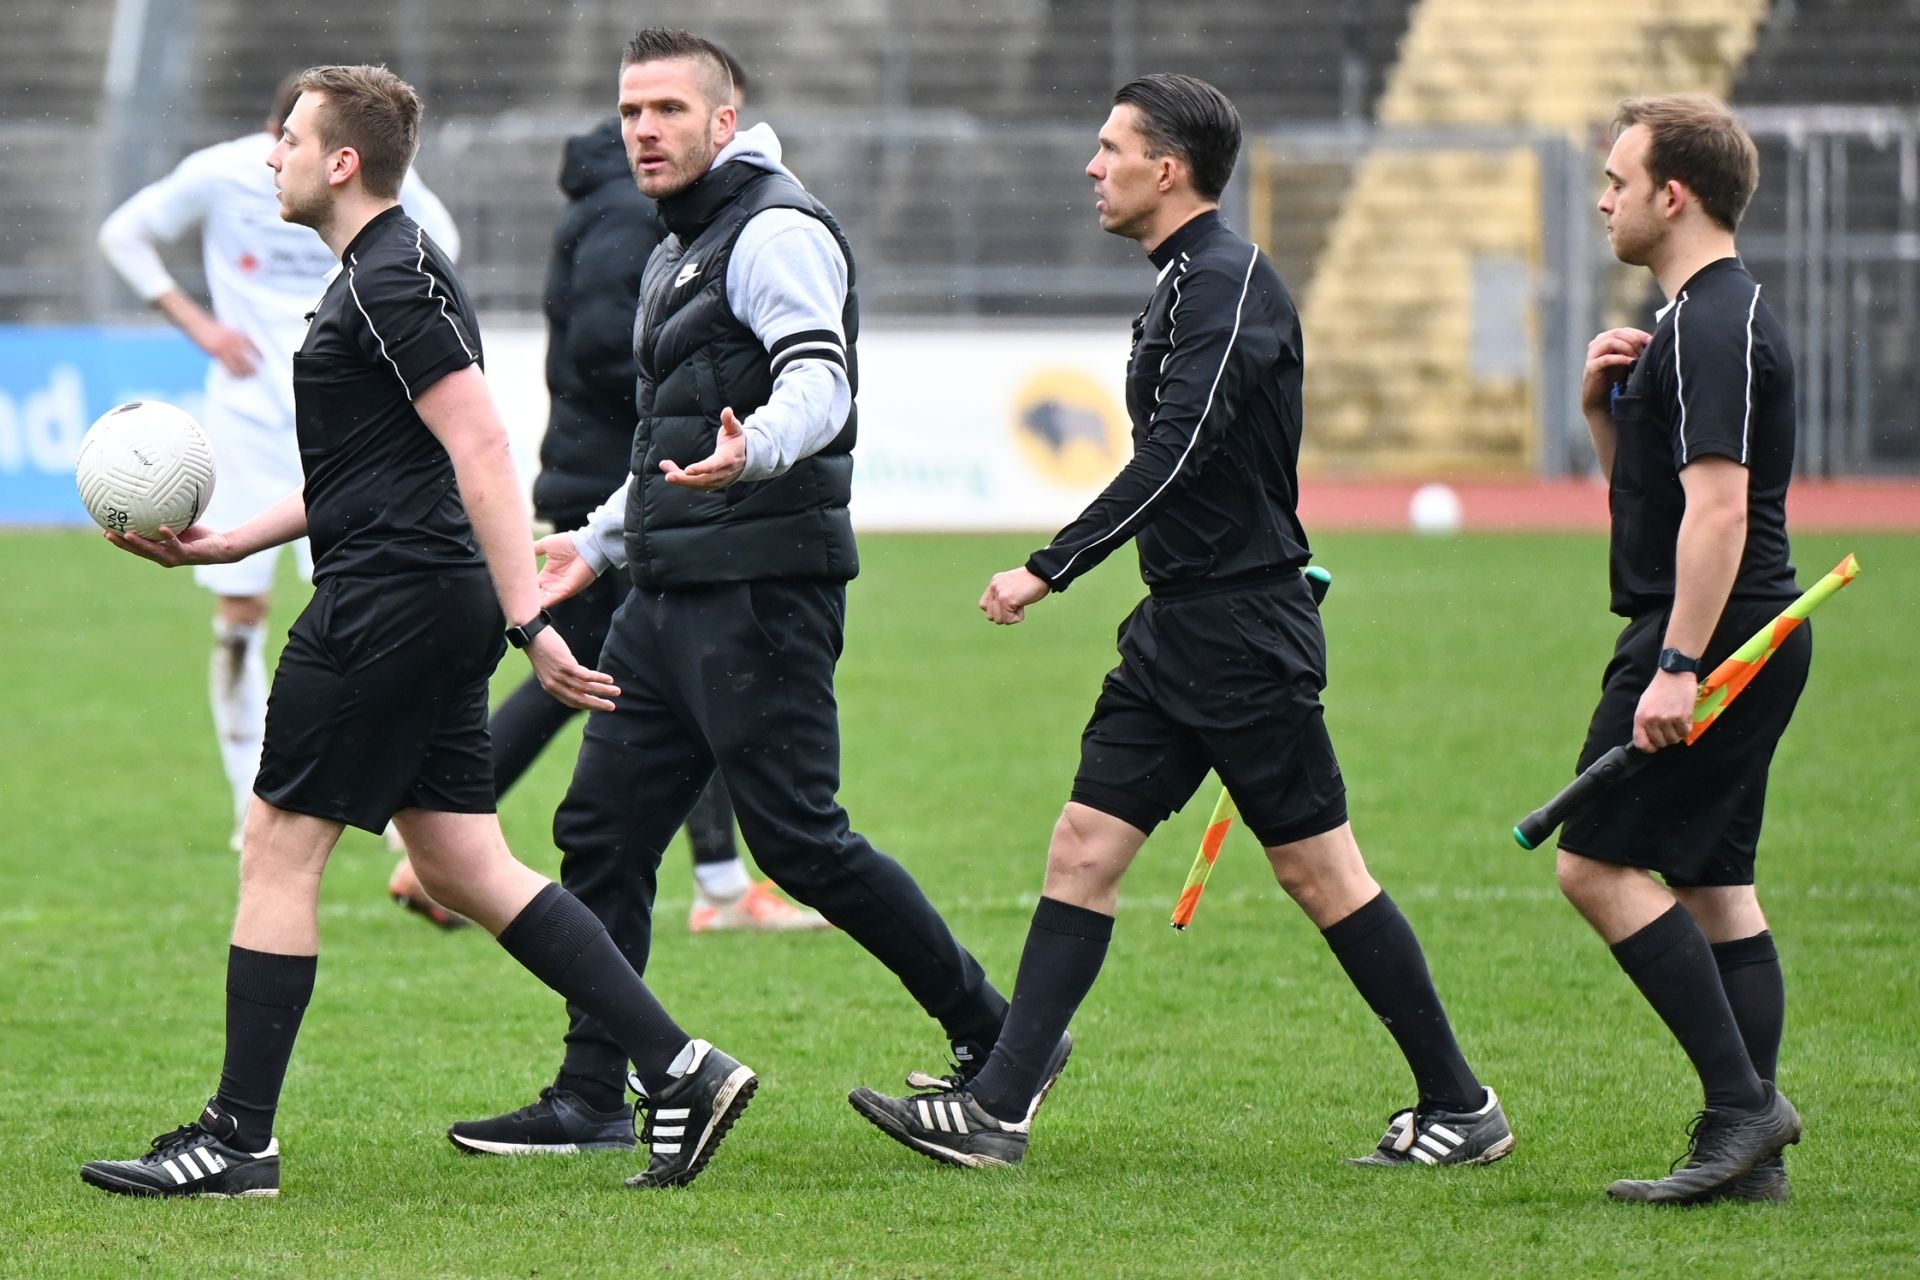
x,y
1696,141
373,111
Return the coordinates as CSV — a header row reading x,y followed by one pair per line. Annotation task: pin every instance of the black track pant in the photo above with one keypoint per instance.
x,y
527,721
740,677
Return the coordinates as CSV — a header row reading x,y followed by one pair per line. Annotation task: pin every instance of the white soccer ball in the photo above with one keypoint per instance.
x,y
1435,508
143,465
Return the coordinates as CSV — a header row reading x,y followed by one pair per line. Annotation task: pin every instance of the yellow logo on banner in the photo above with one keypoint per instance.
x,y
1069,428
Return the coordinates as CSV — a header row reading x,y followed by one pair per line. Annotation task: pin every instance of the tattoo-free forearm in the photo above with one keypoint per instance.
x,y
1713,537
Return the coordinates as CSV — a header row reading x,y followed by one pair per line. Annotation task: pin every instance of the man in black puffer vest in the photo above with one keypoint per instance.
x,y
735,534
600,246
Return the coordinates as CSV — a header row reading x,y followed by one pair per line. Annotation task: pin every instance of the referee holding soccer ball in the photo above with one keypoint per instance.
x,y
1221,666
379,706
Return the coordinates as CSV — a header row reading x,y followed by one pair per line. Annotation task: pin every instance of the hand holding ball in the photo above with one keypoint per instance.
x,y
143,465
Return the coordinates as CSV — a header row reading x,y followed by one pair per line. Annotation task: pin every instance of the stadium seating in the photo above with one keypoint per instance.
x,y
951,137
1863,52
1397,376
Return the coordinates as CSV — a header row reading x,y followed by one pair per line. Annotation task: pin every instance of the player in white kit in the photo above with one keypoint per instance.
x,y
264,276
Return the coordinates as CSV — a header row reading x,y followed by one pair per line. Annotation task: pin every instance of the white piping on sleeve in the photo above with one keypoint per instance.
x,y
354,290
420,265
1680,380
1238,310
1746,422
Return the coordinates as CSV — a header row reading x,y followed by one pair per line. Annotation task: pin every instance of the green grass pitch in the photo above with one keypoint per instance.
x,y
1220,1075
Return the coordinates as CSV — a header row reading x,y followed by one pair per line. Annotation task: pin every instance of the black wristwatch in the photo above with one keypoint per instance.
x,y
1675,661
522,636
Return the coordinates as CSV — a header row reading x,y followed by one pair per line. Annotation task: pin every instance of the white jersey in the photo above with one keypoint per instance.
x,y
264,274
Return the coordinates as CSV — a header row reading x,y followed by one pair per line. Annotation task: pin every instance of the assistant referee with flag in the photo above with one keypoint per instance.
x,y
1221,666
1694,426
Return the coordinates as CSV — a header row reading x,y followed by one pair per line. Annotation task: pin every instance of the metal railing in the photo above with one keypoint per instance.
x,y
957,218
1833,236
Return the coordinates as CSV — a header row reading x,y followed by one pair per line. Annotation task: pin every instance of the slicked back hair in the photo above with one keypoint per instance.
x,y
1696,141
373,111
658,44
1187,117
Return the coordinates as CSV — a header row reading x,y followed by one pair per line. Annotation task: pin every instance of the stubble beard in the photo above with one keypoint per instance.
x,y
314,213
682,175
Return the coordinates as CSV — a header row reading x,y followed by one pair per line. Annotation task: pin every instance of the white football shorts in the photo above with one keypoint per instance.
x,y
255,465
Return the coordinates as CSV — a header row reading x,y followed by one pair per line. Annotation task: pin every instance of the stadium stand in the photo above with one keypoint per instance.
x,y
1398,376
1854,52
1861,60
51,61
950,138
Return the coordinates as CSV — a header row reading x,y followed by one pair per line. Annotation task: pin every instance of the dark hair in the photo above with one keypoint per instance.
x,y
1183,116
1696,141
657,44
373,111
285,94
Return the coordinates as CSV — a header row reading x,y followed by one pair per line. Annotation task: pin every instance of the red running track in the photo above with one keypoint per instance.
x,y
1581,505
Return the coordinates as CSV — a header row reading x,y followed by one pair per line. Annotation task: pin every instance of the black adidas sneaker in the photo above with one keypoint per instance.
x,y
1443,1137
196,1159
949,1126
970,1059
687,1119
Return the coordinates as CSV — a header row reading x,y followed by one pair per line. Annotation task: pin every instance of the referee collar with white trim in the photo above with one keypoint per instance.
x,y
1191,230
366,232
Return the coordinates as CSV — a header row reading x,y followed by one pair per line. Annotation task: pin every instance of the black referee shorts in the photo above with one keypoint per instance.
x,y
1693,812
380,700
1229,681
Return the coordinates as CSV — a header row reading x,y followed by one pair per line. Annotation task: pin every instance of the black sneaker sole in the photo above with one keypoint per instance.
x,y
118,1186
730,1109
887,1124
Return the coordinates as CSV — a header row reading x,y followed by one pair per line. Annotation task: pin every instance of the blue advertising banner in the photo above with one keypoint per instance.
x,y
54,382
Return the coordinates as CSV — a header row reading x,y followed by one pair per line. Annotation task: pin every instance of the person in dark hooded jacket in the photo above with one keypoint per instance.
x,y
600,244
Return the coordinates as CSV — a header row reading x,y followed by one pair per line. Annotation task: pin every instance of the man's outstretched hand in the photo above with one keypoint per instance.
x,y
722,467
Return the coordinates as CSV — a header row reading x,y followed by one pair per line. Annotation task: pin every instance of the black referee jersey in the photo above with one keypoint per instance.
x,y
1717,379
379,486
1213,390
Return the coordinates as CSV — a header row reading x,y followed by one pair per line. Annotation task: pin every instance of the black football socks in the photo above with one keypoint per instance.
x,y
266,996
565,946
1671,963
1066,945
1382,957
1757,994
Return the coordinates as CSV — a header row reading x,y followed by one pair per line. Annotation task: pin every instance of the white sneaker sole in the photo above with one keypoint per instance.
x,y
480,1146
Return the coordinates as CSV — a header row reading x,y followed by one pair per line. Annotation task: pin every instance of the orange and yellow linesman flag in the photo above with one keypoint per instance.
x,y
1715,692
1731,676
1223,816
